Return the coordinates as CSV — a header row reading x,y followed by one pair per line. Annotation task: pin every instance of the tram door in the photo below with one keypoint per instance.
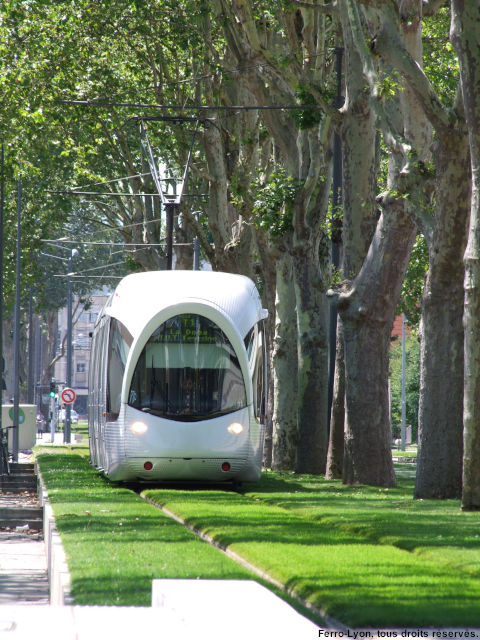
x,y
92,402
97,392
257,358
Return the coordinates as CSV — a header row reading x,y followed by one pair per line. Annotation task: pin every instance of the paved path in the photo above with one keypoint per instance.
x,y
23,562
23,569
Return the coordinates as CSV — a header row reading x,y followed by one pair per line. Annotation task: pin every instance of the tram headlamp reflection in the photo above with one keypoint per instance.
x,y
138,427
236,428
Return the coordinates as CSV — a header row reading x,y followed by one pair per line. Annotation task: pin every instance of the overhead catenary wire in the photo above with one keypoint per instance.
x,y
78,276
124,194
95,184
168,200
125,226
120,244
194,107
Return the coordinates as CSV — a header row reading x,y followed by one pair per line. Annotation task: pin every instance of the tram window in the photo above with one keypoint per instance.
x,y
249,341
120,341
188,370
259,390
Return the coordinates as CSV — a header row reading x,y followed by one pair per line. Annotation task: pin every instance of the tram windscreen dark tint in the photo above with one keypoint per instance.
x,y
188,370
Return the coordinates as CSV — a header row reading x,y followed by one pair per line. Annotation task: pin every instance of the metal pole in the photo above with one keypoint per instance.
x,y
2,200
196,251
53,418
16,355
196,254
68,407
336,234
170,210
404,389
31,351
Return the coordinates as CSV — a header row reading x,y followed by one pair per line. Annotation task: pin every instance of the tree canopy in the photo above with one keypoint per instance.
x,y
93,95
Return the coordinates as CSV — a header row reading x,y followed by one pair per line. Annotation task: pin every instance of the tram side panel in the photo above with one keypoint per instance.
x,y
257,354
92,436
93,401
117,350
97,395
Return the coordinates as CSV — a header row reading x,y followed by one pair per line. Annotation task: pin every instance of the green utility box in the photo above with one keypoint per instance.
x,y
27,417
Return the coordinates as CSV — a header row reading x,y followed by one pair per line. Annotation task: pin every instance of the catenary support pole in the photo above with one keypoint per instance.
x,y
336,233
2,202
16,333
68,381
404,387
31,351
170,211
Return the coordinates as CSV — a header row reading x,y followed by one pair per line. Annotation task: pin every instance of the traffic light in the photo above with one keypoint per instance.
x,y
53,389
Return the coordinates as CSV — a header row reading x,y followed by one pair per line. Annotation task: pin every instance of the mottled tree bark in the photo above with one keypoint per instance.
x,y
285,434
337,415
440,411
305,154
358,135
367,307
439,461
465,35
312,345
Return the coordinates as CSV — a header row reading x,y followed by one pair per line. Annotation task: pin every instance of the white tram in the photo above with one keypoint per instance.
x,y
177,379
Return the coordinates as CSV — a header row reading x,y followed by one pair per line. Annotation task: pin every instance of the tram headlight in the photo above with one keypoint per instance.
x,y
138,427
236,428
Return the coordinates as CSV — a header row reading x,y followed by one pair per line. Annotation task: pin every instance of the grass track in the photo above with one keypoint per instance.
x,y
368,557
116,543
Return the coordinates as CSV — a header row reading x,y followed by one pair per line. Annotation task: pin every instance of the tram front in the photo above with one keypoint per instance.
x,y
191,410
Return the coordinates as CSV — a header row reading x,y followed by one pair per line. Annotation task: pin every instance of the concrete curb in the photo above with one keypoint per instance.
x,y
58,573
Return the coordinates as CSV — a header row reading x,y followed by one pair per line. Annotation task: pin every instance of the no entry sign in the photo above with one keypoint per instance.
x,y
68,395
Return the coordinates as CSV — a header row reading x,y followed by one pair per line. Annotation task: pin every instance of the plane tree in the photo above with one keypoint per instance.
x,y
465,35
285,54
443,222
268,174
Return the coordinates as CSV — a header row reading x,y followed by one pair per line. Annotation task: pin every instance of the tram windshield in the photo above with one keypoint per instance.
x,y
187,371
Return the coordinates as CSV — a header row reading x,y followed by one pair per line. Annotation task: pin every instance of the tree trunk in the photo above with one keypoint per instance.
x,y
312,391
367,308
471,417
337,415
306,155
266,271
285,434
439,462
359,166
465,35
367,458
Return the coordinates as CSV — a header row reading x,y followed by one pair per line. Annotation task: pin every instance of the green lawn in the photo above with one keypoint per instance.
x,y
367,556
116,543
81,427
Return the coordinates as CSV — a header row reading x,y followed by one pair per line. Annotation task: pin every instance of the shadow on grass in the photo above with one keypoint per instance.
x,y
339,570
375,515
319,538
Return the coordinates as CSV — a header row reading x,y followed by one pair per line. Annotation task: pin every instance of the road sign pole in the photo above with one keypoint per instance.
x,y
53,418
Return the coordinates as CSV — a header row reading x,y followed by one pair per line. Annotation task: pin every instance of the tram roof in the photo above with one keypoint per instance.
x,y
140,296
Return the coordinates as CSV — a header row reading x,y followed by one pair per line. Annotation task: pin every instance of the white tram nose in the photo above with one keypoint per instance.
x,y
177,385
